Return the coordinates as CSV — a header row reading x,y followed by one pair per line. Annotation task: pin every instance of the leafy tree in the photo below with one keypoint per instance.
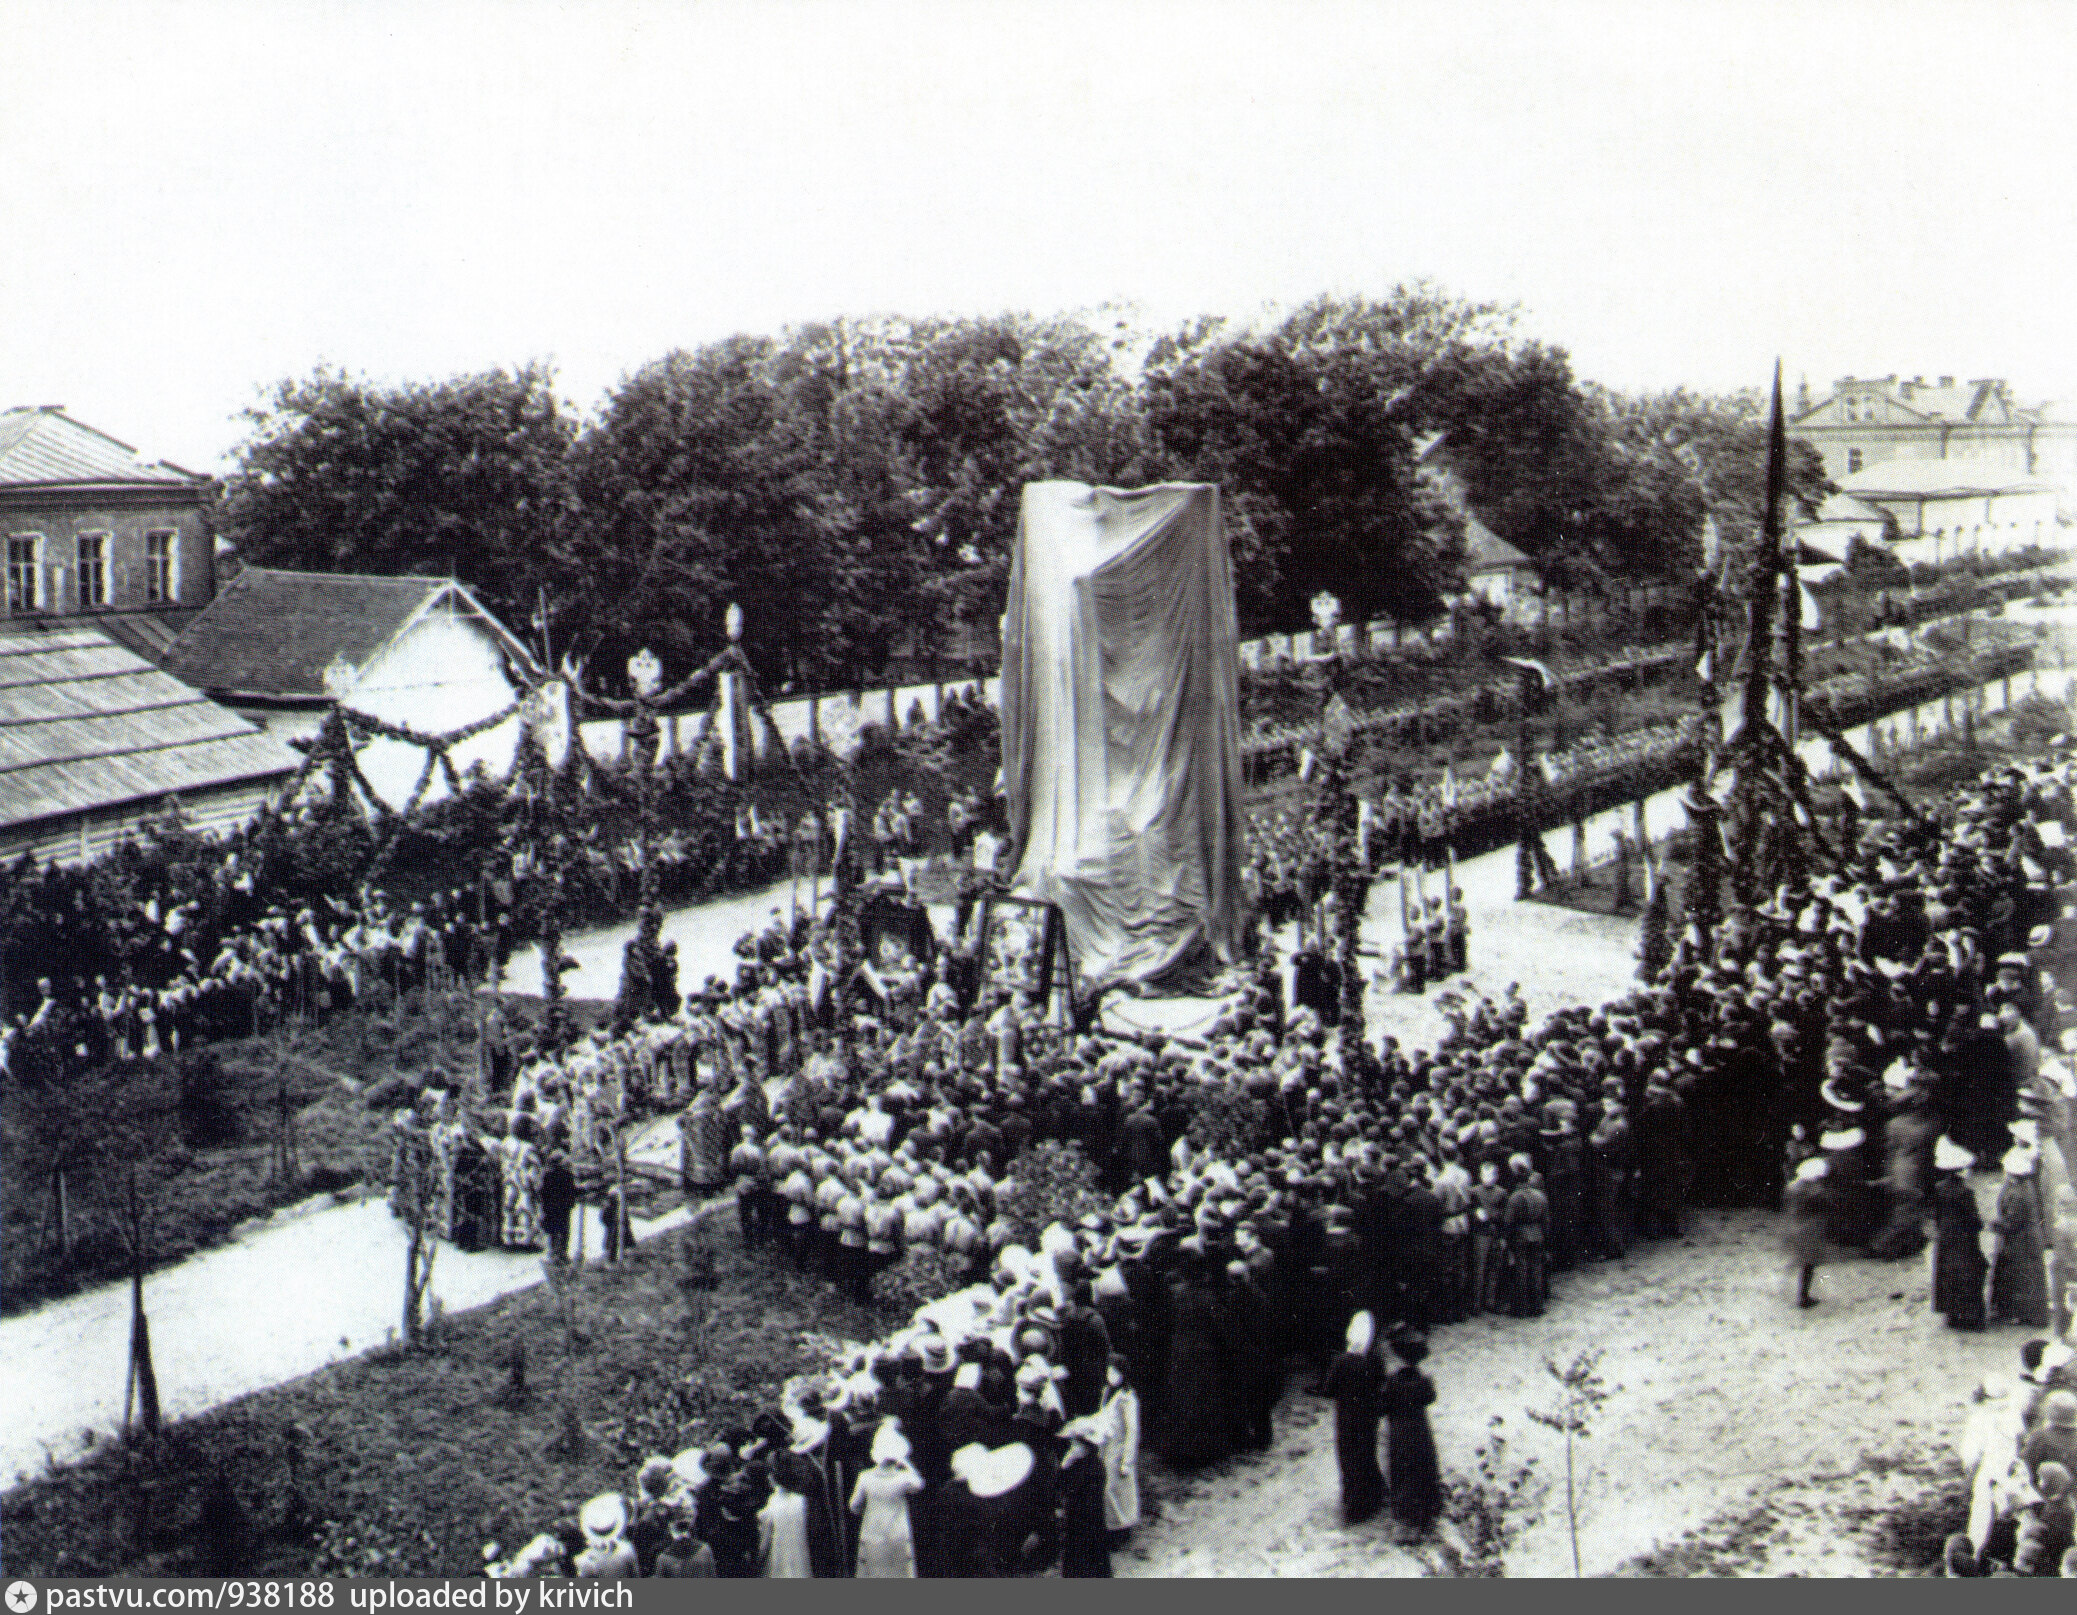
x,y
1688,453
688,494
930,430
844,483
460,478
1308,430
1529,449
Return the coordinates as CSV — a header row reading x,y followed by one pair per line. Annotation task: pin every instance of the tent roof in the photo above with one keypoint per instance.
x,y
85,723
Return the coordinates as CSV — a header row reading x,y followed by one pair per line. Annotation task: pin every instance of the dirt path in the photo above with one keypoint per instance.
x,y
311,1285
1768,1438
705,933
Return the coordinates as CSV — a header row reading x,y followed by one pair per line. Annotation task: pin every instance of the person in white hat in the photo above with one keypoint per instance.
x,y
1355,1380
985,1522
886,1541
607,1555
1958,1265
1806,1208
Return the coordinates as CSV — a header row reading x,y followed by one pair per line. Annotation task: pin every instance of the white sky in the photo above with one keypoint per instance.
x,y
200,197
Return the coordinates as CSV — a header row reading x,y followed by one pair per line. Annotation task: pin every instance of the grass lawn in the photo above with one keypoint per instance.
x,y
218,1167
407,1463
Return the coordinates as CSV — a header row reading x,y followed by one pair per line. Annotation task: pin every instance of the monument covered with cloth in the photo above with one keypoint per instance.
x,y
1121,728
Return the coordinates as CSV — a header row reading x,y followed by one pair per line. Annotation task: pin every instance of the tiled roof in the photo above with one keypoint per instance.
x,y
273,634
86,724
43,447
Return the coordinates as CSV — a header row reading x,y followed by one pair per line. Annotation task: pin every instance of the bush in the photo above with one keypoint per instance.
x,y
1053,1183
209,1114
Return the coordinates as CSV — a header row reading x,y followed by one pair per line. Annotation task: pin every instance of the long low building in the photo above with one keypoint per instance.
x,y
95,741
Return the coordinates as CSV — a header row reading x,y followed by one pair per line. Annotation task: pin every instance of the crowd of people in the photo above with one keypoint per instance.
x,y
2019,1450
1274,1195
182,983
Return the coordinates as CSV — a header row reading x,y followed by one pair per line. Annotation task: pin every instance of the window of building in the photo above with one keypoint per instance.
x,y
1853,461
24,572
93,570
159,581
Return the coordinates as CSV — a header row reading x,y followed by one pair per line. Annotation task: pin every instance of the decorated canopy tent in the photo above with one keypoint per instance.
x,y
1121,726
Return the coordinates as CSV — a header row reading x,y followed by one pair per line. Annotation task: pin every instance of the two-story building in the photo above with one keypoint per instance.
x,y
93,531
106,559
1866,422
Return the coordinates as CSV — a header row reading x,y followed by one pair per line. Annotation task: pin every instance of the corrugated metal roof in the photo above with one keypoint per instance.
x,y
85,724
149,633
45,447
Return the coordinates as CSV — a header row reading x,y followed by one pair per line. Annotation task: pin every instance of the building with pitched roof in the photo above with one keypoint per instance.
x,y
91,530
1495,571
94,741
424,654
1949,507
1867,422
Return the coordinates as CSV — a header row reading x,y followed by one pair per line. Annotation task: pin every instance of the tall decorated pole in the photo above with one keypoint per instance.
x,y
1768,822
1532,865
1749,746
1335,807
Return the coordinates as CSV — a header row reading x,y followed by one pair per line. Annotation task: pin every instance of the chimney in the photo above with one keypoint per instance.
x,y
1904,387
1947,381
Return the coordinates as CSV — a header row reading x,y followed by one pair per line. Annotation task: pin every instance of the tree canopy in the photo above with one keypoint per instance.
x,y
461,478
855,484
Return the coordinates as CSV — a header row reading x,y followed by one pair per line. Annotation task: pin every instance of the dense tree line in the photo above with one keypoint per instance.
x,y
855,483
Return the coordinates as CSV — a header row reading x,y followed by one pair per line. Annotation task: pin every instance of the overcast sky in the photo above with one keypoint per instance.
x,y
198,198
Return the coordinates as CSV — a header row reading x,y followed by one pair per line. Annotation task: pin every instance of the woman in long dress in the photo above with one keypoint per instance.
x,y
1085,1552
1193,1422
1416,1473
886,1542
476,1194
1354,1381
1958,1265
1120,1450
793,1528
2018,1276
520,1174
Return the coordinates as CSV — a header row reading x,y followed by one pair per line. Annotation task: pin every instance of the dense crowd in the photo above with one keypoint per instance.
x,y
1275,1195
183,982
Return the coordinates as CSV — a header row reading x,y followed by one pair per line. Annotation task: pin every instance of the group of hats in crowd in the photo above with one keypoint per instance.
x,y
1238,1161
2019,1449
